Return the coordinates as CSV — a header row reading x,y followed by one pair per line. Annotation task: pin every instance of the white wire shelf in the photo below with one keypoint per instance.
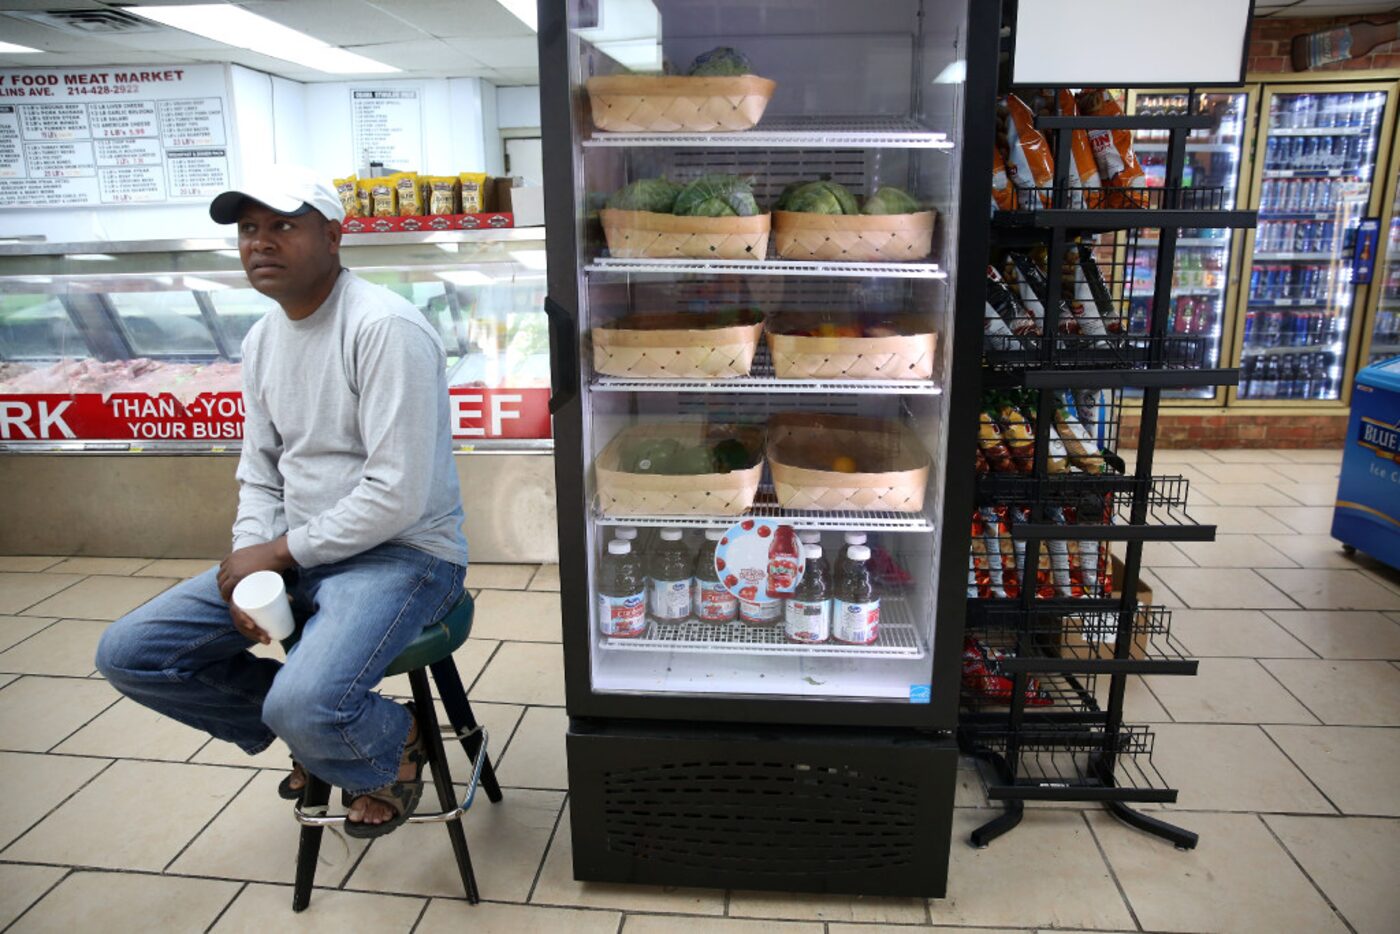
x,y
772,267
1190,147
766,507
1218,243
899,638
762,380
797,133
1321,131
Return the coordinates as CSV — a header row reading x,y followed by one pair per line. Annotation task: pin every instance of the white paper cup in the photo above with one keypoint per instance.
x,y
263,596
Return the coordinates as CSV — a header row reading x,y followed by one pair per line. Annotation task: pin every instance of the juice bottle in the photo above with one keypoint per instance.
x,y
850,538
712,601
621,592
807,614
856,614
669,587
810,537
784,562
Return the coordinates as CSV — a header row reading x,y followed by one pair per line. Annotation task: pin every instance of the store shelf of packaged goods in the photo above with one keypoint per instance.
x,y
1110,361
1294,303
1333,347
1311,173
765,267
762,380
793,133
1125,218
1303,257
1068,762
1321,131
1219,243
1082,642
1103,515
1190,147
766,507
899,638
1274,214
1389,304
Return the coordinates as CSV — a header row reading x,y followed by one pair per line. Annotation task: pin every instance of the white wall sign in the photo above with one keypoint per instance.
x,y
1184,42
87,137
387,126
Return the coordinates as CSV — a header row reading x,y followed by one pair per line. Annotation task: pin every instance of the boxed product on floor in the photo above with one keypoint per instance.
x,y
679,469
1099,631
710,345
842,462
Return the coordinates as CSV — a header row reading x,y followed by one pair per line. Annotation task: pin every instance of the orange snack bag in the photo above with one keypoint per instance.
x,y
1028,161
1083,167
1113,149
1003,197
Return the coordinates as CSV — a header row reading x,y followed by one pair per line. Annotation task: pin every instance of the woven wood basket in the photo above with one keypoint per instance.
x,y
715,494
674,104
676,347
647,235
802,447
908,355
853,238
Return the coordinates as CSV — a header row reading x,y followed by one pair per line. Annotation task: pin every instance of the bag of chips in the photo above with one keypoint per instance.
x,y
473,192
364,200
1083,167
1029,164
349,197
410,199
383,194
1003,196
442,195
1113,150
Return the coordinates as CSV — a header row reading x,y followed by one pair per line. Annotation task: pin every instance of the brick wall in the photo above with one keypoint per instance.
x,y
1180,429
1271,41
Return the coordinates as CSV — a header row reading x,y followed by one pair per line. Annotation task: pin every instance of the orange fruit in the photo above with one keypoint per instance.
x,y
844,464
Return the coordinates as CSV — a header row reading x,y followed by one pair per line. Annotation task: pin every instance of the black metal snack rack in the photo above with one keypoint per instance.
x,y
1054,624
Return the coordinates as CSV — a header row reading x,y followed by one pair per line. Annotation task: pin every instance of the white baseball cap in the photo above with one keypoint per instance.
x,y
286,189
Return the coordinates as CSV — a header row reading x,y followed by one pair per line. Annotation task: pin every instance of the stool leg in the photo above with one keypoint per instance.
x,y
459,713
316,794
442,778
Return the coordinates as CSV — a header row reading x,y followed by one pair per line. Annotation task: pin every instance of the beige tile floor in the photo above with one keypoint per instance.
x,y
1286,749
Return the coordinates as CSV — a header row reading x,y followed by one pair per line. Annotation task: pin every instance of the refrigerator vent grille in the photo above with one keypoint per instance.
x,y
762,818
774,169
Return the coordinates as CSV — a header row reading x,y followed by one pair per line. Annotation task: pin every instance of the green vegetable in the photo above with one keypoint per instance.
x,y
730,454
821,197
722,62
889,200
716,196
785,198
694,460
654,455
647,194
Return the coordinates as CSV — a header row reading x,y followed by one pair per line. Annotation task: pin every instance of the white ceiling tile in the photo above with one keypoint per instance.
x,y
429,54
443,18
337,22
518,52
509,77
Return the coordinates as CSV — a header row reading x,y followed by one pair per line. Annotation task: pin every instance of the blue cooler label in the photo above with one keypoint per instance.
x,y
622,617
670,600
1381,439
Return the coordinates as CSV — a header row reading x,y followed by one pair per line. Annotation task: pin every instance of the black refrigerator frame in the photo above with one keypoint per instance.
x,y
922,733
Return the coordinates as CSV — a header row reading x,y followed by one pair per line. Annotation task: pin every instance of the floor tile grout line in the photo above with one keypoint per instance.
x,y
1327,899
1320,721
84,725
1289,633
52,623
200,832
549,846
25,610
1112,873
1263,728
227,905
342,886
49,813
413,928
67,871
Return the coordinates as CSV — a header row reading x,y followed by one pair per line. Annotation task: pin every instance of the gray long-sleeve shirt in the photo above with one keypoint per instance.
x,y
345,440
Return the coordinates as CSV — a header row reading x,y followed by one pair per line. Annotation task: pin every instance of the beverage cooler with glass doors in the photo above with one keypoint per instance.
x,y
1384,341
753,279
1317,155
1202,285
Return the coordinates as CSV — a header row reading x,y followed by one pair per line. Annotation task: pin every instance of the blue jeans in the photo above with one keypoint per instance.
x,y
181,656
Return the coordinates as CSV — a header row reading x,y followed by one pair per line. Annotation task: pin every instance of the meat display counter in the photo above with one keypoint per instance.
x,y
133,348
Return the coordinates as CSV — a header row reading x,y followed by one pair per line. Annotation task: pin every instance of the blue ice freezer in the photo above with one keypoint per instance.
x,y
1367,514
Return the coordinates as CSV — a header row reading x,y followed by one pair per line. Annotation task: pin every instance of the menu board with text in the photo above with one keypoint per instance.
x,y
89,137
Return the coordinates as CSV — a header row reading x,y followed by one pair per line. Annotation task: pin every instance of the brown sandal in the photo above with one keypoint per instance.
x,y
284,787
401,796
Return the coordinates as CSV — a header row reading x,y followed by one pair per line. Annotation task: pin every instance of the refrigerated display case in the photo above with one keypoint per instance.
x,y
1316,161
1383,342
1204,283
714,752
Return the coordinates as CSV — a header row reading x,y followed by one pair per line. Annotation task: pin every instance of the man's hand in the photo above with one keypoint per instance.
x,y
272,556
244,624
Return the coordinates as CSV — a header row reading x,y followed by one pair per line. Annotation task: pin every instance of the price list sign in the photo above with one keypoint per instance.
x,y
82,137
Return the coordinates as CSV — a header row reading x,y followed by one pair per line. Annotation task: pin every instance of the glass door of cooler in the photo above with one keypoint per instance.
x,y
1202,283
1315,179
1384,342
745,400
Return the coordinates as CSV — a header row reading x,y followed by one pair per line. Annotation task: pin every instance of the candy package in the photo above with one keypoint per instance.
x,y
983,678
383,194
442,194
473,192
346,188
408,196
364,198
1113,150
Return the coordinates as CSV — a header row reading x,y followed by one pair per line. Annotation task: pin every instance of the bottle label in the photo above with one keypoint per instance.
x,y
670,600
857,623
805,621
713,602
622,617
762,612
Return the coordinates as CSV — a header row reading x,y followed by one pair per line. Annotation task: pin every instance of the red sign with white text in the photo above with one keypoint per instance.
x,y
476,415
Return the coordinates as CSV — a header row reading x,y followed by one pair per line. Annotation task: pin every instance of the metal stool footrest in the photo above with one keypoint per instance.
x,y
312,819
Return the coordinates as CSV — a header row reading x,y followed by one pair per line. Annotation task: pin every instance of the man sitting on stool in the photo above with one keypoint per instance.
x,y
347,486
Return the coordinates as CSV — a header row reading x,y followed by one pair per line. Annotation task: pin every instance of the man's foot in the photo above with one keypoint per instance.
x,y
369,814
294,784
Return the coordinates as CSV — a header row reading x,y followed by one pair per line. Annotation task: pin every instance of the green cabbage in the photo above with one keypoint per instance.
x,y
889,200
717,196
722,62
648,194
820,197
